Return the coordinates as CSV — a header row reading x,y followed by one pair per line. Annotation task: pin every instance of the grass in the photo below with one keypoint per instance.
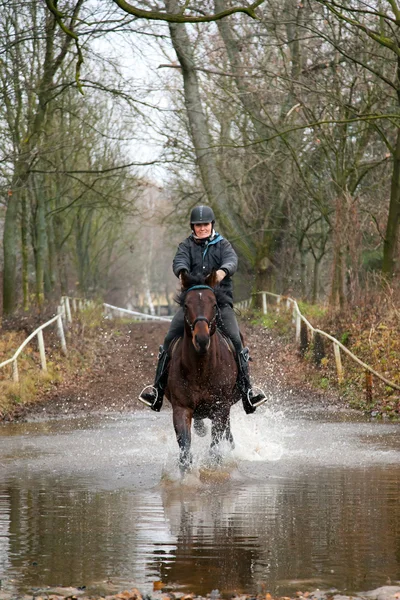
x,y
33,382
372,334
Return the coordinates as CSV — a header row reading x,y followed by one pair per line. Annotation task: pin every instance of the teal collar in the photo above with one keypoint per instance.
x,y
199,287
217,239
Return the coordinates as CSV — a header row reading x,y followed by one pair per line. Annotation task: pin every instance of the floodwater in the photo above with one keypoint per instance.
x,y
308,499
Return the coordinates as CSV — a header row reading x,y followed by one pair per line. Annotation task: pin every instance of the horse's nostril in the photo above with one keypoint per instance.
x,y
202,341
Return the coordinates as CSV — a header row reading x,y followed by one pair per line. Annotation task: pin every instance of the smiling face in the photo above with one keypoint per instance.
x,y
202,230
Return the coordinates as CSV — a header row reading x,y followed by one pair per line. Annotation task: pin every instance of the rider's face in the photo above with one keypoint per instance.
x,y
202,230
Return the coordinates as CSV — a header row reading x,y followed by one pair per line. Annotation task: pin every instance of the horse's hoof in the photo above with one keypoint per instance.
x,y
199,427
215,457
185,464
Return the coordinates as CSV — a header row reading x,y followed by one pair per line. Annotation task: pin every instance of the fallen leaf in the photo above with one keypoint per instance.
x,y
158,585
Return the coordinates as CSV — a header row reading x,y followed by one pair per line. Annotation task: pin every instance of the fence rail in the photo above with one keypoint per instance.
x,y
110,309
299,318
63,313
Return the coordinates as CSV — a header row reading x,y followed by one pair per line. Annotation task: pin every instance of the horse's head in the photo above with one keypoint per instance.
x,y
200,308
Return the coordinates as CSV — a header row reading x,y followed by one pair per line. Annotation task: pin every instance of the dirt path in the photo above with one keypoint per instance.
x,y
125,362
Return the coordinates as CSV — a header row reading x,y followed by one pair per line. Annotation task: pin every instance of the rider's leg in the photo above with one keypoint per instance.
x,y
154,395
230,327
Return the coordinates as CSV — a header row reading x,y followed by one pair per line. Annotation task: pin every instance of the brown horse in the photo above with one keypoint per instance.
x,y
203,369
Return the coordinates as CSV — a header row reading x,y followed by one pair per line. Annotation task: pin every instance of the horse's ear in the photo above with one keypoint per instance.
x,y
211,280
184,277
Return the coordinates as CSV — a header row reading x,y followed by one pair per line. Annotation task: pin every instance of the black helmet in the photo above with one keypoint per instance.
x,y
202,214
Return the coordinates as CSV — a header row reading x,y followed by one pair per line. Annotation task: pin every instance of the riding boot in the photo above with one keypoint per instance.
x,y
249,398
155,397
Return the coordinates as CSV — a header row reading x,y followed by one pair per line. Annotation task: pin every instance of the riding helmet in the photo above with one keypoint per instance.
x,y
202,214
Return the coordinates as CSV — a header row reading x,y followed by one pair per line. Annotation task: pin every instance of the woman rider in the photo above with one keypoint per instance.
x,y
203,251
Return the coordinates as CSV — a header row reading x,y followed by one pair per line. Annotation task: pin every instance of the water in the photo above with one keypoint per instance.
x,y
306,500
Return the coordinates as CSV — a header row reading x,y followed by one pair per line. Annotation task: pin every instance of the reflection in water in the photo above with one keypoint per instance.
x,y
332,528
300,520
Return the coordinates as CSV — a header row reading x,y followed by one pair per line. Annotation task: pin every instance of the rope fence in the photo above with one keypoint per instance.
x,y
305,333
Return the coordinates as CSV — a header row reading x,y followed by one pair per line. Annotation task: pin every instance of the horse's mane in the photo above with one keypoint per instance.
x,y
200,279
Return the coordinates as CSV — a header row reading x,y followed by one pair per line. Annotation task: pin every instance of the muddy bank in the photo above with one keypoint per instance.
x,y
125,359
388,592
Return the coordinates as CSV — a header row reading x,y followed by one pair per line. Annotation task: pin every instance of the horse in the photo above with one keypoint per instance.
x,y
203,369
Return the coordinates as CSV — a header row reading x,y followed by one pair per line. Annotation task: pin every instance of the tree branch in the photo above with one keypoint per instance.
x,y
154,15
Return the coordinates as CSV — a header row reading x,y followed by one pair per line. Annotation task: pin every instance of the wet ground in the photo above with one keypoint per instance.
x,y
91,495
308,499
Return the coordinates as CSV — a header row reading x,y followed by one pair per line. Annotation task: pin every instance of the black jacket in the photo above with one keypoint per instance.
x,y
196,256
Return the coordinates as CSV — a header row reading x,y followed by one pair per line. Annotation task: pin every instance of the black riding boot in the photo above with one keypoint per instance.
x,y
155,397
249,399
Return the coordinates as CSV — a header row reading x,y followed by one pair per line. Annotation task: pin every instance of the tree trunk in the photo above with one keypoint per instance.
x,y
25,251
314,298
275,209
264,280
233,50
337,296
10,247
62,266
41,247
205,154
52,263
28,154
392,228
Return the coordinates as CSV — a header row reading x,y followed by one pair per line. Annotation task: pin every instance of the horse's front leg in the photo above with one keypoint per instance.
x,y
182,418
220,425
228,434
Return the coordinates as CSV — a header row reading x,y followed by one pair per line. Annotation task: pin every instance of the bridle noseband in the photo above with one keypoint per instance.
x,y
212,325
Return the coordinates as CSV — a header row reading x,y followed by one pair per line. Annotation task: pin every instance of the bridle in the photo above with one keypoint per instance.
x,y
212,324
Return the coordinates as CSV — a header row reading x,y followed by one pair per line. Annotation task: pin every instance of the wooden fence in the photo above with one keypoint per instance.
x,y
305,332
64,316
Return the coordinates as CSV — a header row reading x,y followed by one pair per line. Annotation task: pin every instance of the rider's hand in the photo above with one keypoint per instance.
x,y
220,275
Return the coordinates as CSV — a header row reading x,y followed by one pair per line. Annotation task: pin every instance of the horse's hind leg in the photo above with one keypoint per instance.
x,y
199,427
182,418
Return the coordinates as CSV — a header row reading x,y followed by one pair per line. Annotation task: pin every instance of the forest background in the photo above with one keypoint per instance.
x,y
115,120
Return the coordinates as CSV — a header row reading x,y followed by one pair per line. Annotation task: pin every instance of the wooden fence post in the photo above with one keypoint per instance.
x,y
41,350
61,335
338,361
68,309
264,303
15,371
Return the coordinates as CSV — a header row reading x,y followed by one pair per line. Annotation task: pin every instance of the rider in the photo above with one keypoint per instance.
x,y
203,251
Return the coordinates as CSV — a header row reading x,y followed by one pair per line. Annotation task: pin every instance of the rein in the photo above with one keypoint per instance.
x,y
211,324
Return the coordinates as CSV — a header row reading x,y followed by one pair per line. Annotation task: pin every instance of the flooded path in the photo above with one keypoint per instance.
x,y
306,500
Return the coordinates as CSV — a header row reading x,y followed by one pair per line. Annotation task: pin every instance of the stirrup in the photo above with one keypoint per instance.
x,y
261,397
147,402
